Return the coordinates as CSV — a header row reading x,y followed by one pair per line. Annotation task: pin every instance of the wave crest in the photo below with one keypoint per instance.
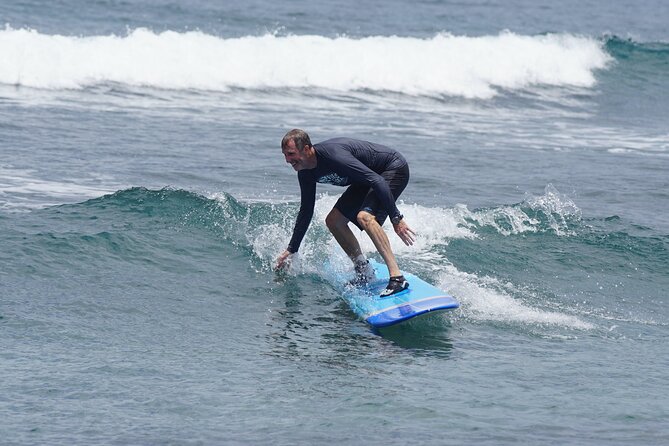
x,y
444,65
550,212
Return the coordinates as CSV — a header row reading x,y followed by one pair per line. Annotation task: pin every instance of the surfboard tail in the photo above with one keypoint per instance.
x,y
402,312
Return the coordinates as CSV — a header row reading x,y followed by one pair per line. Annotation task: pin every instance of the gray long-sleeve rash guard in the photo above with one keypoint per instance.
x,y
342,162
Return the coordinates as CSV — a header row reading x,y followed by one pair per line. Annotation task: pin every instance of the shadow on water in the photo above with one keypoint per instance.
x,y
425,335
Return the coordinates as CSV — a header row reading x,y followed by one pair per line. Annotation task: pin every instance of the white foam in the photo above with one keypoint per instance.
x,y
23,189
636,144
484,298
473,67
556,208
515,220
433,226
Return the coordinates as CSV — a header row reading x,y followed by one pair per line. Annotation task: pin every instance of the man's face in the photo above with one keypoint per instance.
x,y
299,160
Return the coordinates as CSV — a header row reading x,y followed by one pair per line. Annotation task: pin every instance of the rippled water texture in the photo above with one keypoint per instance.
x,y
144,199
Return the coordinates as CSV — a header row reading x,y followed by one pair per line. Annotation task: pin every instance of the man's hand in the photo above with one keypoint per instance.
x,y
283,260
405,233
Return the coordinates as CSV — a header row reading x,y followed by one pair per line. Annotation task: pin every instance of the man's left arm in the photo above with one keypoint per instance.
x,y
358,172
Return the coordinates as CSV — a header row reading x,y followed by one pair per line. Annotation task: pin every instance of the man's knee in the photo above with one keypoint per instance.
x,y
335,220
365,219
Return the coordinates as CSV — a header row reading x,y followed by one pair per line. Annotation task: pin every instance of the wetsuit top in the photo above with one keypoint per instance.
x,y
345,161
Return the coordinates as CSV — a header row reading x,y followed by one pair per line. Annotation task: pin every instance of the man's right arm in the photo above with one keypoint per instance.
x,y
304,216
307,203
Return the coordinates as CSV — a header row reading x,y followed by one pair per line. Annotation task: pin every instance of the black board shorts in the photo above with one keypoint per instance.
x,y
360,197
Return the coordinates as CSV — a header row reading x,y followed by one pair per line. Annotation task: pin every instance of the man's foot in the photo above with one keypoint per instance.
x,y
396,284
364,274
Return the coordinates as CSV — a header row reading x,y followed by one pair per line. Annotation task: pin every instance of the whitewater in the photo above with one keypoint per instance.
x,y
442,65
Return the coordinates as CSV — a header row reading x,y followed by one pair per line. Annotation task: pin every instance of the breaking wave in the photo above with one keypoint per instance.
x,y
443,65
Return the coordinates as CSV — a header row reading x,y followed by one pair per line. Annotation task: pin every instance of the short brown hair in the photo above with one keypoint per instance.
x,y
299,137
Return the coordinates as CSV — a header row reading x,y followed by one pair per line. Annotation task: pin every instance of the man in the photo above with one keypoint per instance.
x,y
375,175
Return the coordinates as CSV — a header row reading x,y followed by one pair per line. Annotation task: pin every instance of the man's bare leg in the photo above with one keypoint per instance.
x,y
337,223
380,240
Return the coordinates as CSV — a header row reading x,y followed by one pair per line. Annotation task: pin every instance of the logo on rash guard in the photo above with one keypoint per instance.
x,y
333,179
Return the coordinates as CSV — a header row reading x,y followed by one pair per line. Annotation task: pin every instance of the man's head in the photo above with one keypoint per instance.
x,y
298,151
299,137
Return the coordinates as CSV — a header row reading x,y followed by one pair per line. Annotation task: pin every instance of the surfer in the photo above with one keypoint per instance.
x,y
375,175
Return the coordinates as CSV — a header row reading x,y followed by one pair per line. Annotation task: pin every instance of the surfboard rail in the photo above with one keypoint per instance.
x,y
401,312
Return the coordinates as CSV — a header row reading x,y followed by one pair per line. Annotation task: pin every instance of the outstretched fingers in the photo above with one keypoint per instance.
x,y
405,233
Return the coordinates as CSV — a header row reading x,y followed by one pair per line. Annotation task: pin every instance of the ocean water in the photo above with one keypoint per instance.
x,y
144,198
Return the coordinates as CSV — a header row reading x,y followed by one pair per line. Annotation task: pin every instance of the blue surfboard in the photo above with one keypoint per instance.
x,y
379,312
